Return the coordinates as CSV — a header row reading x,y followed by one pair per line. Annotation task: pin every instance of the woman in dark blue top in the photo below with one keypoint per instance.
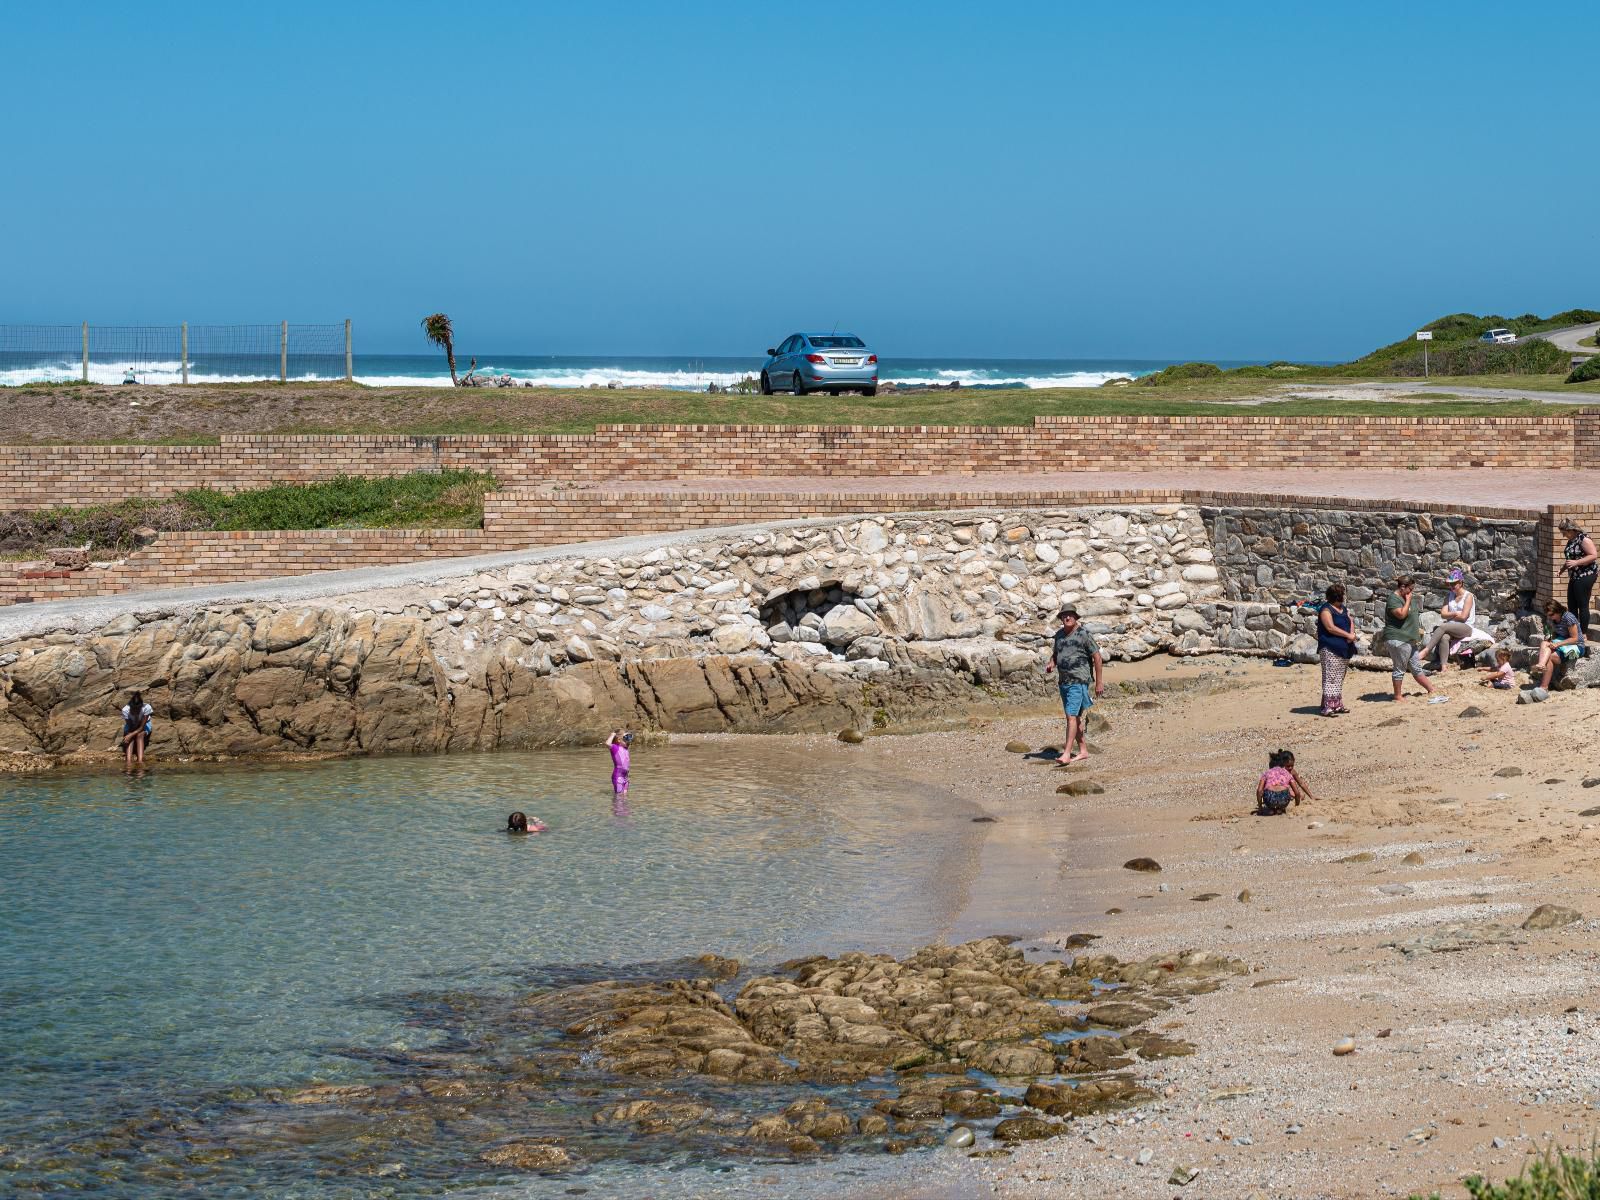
x,y
1336,643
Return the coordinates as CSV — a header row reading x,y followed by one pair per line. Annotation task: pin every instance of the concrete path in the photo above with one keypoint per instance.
x,y
1404,391
1468,485
1568,339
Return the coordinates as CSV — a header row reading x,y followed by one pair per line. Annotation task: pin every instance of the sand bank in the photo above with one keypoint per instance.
x,y
1476,1041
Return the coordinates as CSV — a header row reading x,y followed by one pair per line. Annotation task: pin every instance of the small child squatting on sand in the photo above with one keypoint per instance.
x,y
1500,675
618,744
1280,785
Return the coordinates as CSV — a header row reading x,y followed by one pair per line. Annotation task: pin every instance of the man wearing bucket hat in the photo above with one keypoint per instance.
x,y
1075,656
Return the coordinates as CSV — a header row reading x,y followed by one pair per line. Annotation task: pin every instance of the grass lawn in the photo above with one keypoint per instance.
x,y
76,414
446,500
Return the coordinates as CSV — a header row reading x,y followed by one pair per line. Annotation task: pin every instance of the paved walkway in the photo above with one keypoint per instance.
x,y
1468,486
1568,339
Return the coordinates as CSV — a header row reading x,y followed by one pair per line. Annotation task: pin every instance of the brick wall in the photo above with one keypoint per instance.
x,y
192,559
42,476
1552,584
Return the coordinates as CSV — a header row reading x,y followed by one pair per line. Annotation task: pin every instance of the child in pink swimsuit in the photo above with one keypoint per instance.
x,y
618,744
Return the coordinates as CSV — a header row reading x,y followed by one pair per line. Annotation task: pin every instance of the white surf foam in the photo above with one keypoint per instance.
x,y
159,373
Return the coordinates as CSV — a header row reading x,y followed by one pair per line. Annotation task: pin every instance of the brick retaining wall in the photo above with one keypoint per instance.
x,y
189,559
520,520
43,476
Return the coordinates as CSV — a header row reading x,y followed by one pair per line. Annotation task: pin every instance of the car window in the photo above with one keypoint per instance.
x,y
783,347
837,342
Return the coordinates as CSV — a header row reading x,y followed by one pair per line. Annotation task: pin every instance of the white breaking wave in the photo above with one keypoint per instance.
x,y
1071,379
115,372
572,377
160,373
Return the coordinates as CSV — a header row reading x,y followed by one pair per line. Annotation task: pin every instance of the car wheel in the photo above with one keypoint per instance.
x,y
766,385
872,391
799,385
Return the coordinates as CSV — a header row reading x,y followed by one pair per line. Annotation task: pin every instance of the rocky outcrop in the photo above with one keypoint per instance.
x,y
811,628
862,1051
258,680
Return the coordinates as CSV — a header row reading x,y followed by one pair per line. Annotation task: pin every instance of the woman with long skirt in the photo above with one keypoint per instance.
x,y
1336,644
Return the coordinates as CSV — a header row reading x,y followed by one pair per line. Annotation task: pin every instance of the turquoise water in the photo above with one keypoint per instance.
x,y
189,931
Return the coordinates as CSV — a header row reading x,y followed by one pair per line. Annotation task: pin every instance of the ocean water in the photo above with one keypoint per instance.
x,y
676,373
174,937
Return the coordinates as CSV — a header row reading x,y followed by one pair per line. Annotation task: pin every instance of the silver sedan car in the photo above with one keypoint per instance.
x,y
820,362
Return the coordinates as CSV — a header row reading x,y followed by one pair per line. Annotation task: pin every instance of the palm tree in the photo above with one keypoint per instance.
x,y
440,333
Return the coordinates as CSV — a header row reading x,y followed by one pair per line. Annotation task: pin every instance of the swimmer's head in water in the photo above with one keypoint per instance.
x,y
517,822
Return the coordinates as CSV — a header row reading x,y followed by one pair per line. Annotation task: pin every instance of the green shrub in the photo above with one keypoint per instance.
x,y
1533,357
1585,371
1552,1176
1190,370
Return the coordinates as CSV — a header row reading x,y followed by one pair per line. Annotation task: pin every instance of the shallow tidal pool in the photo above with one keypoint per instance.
x,y
180,937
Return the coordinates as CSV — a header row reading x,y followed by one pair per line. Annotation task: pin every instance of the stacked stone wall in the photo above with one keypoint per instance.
x,y
1273,558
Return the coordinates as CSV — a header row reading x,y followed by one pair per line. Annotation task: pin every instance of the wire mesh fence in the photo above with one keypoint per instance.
x,y
173,353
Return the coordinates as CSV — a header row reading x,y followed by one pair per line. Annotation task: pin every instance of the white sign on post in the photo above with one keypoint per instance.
x,y
1425,336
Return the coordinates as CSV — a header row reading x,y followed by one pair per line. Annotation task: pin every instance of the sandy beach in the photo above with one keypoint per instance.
x,y
1390,912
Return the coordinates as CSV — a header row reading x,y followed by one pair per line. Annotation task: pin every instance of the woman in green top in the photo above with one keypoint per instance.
x,y
1402,634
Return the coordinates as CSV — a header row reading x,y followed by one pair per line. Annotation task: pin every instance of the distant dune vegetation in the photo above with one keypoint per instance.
x,y
1455,350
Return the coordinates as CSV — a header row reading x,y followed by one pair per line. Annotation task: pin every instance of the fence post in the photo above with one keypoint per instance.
x,y
283,355
86,352
184,351
348,374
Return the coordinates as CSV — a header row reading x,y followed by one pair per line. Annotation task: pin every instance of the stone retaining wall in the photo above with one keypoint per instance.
x,y
1276,557
43,476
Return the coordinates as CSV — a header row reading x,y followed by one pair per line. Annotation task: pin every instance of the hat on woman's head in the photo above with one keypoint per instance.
x,y
1456,575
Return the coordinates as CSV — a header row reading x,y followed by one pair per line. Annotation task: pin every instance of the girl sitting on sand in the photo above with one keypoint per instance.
x,y
618,744
1279,786
520,822
1500,675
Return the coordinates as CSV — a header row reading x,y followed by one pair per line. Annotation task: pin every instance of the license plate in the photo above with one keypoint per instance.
x,y
845,362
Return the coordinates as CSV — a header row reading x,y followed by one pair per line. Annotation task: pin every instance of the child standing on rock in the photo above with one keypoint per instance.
x,y
618,744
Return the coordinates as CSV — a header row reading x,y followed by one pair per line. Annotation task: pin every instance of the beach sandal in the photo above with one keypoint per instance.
x,y
1439,700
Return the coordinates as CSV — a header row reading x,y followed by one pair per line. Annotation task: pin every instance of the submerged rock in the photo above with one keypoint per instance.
x,y
530,1156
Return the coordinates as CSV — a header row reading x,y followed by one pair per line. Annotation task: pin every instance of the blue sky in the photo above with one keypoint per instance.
x,y
1053,180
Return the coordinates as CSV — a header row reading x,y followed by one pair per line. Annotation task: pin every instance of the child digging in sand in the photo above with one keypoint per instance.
x,y
1500,675
1280,785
